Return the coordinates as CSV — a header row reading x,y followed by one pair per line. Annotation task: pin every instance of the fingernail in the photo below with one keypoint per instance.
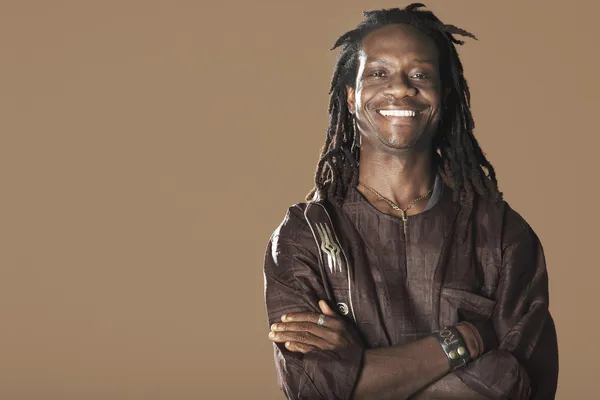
x,y
274,327
284,317
287,344
271,335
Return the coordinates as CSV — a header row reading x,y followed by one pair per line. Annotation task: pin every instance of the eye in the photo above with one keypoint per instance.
x,y
377,74
420,75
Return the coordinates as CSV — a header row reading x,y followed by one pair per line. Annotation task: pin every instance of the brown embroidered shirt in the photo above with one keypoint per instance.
x,y
399,288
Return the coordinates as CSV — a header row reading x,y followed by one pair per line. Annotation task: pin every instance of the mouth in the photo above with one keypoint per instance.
x,y
400,115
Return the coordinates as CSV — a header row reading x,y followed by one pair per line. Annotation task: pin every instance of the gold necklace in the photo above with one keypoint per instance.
x,y
394,205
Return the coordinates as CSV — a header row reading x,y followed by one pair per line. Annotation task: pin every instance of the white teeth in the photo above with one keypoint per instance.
x,y
397,113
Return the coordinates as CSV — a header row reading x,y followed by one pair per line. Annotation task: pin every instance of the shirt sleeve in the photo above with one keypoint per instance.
x,y
525,364
293,284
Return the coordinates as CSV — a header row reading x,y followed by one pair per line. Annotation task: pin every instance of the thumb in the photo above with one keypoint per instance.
x,y
325,309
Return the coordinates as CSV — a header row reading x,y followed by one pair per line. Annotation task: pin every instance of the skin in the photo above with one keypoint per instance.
x,y
396,73
418,370
398,69
301,333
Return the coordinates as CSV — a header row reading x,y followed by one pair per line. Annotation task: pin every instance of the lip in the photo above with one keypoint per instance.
x,y
400,108
398,120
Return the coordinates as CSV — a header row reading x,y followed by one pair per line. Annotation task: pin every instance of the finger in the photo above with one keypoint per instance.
x,y
325,333
300,337
303,316
325,309
332,322
299,347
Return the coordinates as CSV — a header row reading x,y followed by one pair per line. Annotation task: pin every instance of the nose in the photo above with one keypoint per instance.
x,y
399,87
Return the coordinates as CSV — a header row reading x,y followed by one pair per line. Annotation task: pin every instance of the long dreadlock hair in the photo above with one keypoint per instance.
x,y
457,156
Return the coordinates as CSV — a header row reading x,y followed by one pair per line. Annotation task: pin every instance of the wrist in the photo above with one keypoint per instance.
x,y
454,345
487,334
472,339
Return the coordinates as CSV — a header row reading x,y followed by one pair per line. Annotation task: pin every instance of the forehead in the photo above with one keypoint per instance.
x,y
396,41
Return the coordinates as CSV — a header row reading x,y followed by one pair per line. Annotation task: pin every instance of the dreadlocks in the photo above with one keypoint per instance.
x,y
458,158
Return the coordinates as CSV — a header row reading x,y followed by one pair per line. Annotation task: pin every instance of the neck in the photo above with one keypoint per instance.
x,y
400,178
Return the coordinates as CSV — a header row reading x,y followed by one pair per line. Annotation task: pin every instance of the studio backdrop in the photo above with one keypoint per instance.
x,y
149,149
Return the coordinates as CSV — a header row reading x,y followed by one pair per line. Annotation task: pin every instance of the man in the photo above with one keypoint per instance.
x,y
441,288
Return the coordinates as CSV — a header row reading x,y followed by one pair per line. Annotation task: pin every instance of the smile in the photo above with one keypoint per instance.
x,y
398,113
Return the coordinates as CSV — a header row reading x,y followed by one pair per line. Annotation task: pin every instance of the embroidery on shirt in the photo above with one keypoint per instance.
x,y
328,244
330,247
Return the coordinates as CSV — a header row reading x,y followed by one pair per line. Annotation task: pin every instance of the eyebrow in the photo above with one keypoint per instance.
x,y
417,60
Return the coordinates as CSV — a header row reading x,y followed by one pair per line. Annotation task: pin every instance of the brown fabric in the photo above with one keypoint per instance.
x,y
403,288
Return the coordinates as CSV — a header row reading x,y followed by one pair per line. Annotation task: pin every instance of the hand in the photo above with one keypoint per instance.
x,y
487,337
301,332
472,339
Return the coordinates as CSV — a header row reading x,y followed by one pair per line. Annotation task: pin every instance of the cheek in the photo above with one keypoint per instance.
x,y
363,95
434,98
432,92
435,101
358,99
436,115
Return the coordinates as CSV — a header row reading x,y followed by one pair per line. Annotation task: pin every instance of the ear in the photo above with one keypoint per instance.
x,y
350,99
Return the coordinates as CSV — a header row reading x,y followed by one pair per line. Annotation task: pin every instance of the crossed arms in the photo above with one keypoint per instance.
x,y
523,365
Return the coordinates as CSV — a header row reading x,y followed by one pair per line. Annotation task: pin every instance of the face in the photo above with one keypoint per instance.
x,y
397,98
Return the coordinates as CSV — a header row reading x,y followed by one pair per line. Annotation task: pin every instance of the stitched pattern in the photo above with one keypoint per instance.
x,y
330,248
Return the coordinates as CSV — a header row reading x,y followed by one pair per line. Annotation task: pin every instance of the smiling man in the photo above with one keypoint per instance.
x,y
439,287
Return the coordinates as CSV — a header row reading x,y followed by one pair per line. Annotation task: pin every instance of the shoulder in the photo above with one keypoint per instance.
x,y
514,227
293,238
500,219
294,226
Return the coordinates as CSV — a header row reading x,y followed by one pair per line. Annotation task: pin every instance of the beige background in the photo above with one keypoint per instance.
x,y
149,148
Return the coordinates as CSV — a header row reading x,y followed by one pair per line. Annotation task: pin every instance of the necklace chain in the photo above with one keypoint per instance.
x,y
394,205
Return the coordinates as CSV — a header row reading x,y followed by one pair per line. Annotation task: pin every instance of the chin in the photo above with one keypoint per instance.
x,y
396,143
399,139
421,139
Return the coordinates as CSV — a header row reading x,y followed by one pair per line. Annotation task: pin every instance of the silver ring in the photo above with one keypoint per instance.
x,y
321,320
